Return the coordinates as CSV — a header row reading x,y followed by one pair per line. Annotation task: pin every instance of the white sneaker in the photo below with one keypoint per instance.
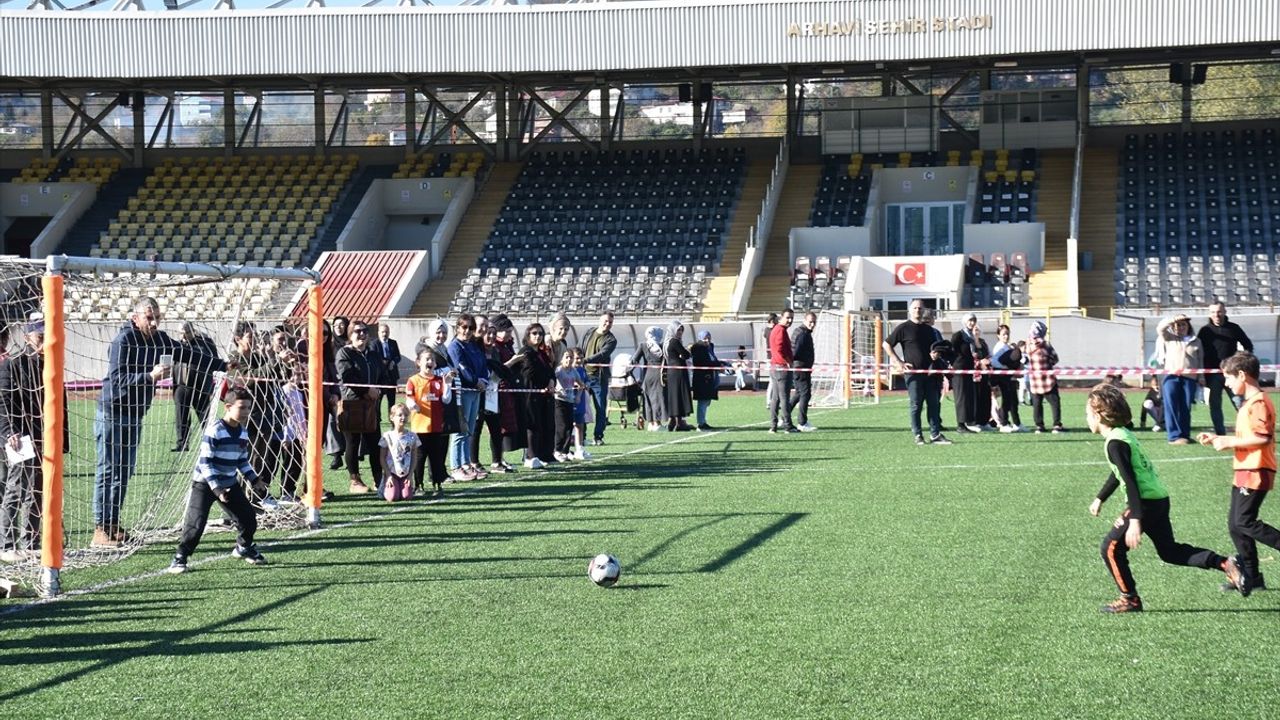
x,y
535,464
559,456
1156,428
806,428
269,503
582,455
1009,428
974,428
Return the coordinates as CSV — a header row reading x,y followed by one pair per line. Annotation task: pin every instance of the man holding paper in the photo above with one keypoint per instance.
x,y
22,433
140,356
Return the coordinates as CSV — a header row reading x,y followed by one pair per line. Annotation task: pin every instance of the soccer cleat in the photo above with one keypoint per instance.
x,y
940,439
919,439
249,554
1123,604
1256,583
1236,576
178,566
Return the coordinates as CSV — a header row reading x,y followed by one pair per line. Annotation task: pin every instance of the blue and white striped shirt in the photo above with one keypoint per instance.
x,y
224,451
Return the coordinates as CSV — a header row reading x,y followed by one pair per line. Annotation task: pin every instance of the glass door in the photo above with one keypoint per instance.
x,y
924,228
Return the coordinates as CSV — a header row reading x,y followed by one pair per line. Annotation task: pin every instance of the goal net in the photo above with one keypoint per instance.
x,y
100,460
865,373
831,361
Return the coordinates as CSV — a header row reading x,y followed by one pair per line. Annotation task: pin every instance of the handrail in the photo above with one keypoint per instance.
x,y
758,234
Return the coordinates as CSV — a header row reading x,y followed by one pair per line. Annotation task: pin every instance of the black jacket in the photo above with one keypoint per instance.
x,y
22,398
1218,342
802,348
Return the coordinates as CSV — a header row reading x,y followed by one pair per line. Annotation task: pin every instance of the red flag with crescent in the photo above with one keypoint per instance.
x,y
908,274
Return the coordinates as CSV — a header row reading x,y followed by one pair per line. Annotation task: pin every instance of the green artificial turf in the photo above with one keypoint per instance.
x,y
843,573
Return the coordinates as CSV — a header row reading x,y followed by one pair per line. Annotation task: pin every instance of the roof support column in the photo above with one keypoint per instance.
x,y
139,128
318,122
605,139
46,124
228,122
502,96
410,119
793,109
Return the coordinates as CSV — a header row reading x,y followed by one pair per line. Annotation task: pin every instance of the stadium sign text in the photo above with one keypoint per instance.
x,y
905,26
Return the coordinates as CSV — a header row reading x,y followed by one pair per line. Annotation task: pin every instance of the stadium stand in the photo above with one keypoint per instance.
x,y
96,170
819,284
255,210
1198,218
465,164
1007,189
635,231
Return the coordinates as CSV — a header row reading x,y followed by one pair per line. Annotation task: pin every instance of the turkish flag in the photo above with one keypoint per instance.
x,y
908,274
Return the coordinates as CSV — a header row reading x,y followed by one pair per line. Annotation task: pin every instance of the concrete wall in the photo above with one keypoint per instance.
x,y
921,185
64,203
831,242
1007,238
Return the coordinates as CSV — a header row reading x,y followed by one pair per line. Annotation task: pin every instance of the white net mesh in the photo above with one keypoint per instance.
x,y
864,351
829,387
142,381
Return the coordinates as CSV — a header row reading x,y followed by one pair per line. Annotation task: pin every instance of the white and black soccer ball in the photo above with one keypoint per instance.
x,y
604,570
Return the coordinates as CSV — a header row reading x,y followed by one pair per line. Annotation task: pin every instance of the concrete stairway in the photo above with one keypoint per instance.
x,y
468,242
1049,288
1098,229
720,287
769,293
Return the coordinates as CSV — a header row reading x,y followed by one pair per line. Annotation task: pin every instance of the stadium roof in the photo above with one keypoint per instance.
x,y
623,40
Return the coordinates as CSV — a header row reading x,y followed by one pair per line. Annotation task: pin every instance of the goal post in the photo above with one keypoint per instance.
x,y
84,303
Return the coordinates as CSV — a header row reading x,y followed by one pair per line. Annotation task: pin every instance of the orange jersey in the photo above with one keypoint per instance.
x,y
425,399
1257,416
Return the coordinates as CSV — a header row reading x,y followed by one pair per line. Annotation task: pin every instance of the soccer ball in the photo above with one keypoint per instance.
x,y
604,570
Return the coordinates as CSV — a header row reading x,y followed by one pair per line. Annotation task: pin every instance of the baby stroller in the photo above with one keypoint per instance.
x,y
624,391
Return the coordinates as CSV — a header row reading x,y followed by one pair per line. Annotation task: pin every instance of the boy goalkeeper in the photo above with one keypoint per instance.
x,y
224,452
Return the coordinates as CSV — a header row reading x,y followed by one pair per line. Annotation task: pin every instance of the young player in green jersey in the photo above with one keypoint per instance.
x,y
1147,502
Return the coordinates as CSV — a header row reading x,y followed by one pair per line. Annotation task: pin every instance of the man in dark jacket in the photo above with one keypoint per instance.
x,y
802,363
1219,340
22,419
192,385
139,356
599,349
389,351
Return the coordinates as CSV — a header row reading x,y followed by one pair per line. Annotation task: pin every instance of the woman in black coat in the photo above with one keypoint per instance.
x,y
706,376
532,365
676,360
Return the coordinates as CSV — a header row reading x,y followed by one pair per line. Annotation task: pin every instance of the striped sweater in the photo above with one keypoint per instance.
x,y
224,451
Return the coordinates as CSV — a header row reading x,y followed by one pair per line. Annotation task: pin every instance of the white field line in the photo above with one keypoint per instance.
x,y
404,507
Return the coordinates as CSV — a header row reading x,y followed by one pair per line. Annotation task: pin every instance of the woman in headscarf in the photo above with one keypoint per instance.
x,y
706,375
1177,350
435,340
676,376
649,356
533,366
500,376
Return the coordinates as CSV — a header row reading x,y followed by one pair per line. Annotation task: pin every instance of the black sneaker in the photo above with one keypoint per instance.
x,y
793,429
249,554
939,439
919,439
178,566
962,429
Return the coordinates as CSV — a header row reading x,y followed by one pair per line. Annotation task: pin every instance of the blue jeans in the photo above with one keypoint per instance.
x,y
117,437
925,391
702,411
1179,394
600,392
469,399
